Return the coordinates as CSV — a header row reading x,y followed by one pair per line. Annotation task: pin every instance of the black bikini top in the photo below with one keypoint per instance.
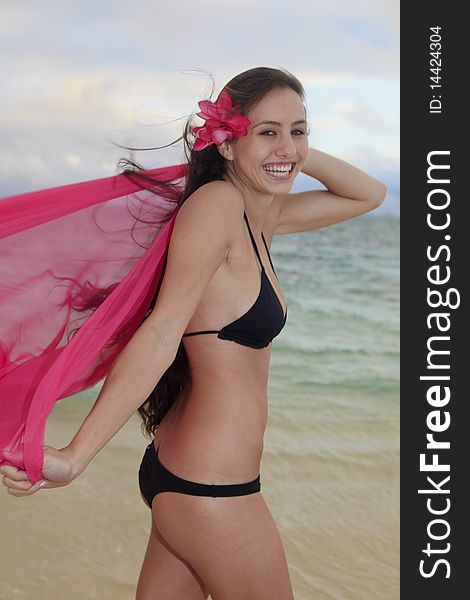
x,y
263,321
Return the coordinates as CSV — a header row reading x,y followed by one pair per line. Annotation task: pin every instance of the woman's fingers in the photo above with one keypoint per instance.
x,y
13,473
57,471
16,485
27,490
21,488
17,481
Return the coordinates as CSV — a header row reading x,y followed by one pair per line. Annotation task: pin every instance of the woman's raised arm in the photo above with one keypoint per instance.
x,y
350,192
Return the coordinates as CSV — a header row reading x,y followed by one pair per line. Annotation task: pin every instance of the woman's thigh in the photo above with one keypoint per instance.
x,y
232,543
165,575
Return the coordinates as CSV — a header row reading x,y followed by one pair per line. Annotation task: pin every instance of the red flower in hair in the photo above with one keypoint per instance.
x,y
223,121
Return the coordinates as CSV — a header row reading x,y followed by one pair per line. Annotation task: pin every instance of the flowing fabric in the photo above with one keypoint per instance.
x,y
79,267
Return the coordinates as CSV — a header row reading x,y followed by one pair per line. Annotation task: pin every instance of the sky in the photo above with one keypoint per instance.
x,y
79,78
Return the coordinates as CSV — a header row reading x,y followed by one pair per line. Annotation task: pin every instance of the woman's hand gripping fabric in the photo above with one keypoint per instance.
x,y
57,471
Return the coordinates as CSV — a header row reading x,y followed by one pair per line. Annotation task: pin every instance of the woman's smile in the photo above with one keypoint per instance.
x,y
279,171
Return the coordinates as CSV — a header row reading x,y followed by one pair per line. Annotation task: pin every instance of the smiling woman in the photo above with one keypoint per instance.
x,y
203,398
276,149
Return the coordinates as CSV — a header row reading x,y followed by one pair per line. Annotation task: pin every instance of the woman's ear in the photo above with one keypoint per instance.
x,y
225,150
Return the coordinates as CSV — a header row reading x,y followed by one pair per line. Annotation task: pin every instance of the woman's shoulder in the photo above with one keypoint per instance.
x,y
217,197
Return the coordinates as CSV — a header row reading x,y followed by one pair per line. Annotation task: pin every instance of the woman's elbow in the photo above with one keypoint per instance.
x,y
379,193
166,337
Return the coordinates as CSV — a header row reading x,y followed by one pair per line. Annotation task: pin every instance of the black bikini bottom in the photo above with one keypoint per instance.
x,y
155,478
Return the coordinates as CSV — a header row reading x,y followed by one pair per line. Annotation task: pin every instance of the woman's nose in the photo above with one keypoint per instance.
x,y
286,145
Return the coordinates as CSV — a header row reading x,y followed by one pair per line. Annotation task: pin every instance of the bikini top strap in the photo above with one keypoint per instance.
x,y
253,239
267,252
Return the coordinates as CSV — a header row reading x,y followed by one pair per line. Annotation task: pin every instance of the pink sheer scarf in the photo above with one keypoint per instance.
x,y
58,248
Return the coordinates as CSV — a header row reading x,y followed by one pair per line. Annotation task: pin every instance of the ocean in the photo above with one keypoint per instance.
x,y
330,469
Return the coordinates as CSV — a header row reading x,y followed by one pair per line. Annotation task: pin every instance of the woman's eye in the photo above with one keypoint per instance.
x,y
296,131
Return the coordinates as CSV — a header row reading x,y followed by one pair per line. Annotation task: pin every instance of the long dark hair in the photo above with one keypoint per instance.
x,y
246,90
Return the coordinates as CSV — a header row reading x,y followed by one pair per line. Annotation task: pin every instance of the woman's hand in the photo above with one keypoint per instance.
x,y
57,471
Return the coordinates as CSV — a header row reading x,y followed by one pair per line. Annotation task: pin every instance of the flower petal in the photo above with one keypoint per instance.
x,y
202,133
239,121
211,123
200,145
219,136
224,102
208,109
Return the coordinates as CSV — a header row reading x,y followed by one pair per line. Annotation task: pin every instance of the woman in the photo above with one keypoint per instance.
x,y
220,299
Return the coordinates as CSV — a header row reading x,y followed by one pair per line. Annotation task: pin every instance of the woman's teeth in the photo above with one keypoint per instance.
x,y
279,172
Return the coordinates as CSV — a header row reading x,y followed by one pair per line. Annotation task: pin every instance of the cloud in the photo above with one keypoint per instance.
x,y
78,75
339,36
363,115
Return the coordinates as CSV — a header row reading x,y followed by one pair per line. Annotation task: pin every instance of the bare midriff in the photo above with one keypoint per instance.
x,y
214,431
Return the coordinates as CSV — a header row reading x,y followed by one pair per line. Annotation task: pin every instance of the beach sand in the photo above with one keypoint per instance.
x,y
88,540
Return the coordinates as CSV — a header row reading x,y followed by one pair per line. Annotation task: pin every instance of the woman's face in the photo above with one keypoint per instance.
x,y
275,149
